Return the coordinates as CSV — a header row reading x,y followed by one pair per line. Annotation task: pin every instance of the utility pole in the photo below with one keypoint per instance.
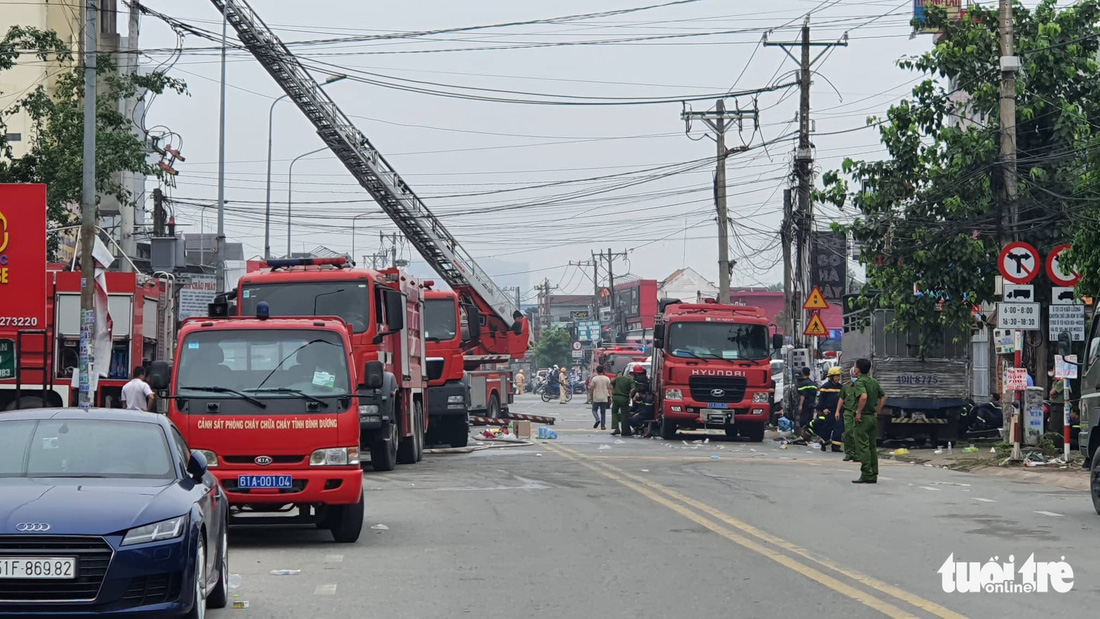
x,y
803,219
220,268
88,208
718,121
1010,214
126,208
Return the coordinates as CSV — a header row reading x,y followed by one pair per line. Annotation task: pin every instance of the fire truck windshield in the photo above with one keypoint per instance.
x,y
264,363
349,300
717,340
439,320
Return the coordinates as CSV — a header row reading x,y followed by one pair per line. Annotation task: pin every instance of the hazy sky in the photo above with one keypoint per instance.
x,y
463,156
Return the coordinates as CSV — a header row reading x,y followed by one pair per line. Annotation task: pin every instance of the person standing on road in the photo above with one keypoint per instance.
x,y
828,394
521,383
563,386
599,391
846,406
871,400
622,389
807,397
137,395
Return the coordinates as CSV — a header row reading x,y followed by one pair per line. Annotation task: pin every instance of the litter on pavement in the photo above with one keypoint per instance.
x,y
603,447
285,572
380,527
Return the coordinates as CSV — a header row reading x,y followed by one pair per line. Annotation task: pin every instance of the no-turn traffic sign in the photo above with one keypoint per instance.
x,y
1019,262
1054,268
577,346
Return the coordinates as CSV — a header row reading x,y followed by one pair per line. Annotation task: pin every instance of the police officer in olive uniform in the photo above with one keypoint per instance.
x,y
846,417
870,399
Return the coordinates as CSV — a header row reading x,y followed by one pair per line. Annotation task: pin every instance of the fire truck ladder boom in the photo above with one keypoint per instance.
x,y
423,229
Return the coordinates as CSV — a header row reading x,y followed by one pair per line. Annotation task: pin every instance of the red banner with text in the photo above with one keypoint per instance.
x,y
23,256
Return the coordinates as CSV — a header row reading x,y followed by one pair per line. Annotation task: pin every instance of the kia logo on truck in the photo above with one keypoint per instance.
x,y
263,460
717,373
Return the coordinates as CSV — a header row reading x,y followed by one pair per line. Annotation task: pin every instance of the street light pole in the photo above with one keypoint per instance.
x,y
267,208
290,192
353,233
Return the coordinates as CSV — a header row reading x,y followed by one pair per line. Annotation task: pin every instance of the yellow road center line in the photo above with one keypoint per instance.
x,y
832,583
905,596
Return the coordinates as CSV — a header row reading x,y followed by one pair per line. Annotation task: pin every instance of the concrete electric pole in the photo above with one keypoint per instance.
x,y
88,208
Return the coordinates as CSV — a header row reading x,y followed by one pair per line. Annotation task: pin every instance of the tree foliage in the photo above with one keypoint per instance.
x,y
554,347
55,156
929,214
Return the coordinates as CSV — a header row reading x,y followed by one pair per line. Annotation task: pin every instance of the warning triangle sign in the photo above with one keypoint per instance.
x,y
816,300
816,328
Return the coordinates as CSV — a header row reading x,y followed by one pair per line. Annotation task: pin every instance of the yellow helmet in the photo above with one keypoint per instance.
x,y
835,371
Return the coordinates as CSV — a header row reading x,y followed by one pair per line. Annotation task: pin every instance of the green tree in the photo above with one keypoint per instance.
x,y
55,157
554,347
929,214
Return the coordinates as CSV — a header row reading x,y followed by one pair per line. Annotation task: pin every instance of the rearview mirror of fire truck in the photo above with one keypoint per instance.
x,y
777,341
372,375
473,323
517,326
659,335
160,374
395,310
663,303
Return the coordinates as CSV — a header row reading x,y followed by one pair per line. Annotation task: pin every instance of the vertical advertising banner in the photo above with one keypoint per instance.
x,y
23,256
829,263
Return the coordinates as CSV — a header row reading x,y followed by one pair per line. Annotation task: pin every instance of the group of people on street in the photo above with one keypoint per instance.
x,y
628,395
844,414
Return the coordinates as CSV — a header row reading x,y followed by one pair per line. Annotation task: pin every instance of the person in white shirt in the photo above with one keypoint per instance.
x,y
599,387
137,395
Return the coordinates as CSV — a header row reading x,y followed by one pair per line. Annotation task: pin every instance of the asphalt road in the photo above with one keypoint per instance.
x,y
590,526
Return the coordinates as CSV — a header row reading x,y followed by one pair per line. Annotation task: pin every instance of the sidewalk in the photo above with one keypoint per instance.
x,y
1070,477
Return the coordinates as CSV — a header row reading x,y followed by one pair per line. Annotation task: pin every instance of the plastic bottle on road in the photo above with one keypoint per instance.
x,y
949,448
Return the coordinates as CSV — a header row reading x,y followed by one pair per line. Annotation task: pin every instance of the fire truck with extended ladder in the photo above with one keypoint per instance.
x,y
423,229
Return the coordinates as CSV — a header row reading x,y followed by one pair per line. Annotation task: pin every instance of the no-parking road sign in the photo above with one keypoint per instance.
x,y
1019,262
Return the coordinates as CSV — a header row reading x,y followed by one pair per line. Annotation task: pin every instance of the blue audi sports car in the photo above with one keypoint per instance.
x,y
107,512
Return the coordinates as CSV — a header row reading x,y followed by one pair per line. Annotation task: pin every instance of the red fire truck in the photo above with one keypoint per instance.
x,y
383,312
272,403
712,368
462,345
37,361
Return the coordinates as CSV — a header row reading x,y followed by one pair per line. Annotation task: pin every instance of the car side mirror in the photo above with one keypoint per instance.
x,y
659,335
395,310
777,341
372,375
434,367
196,465
160,374
473,323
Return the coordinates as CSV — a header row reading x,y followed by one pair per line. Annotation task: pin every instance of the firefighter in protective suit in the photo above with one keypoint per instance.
x,y
824,423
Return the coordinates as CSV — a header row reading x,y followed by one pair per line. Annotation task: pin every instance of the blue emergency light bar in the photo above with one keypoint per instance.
x,y
306,262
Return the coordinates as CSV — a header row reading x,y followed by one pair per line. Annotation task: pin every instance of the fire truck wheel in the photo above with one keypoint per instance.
x,y
668,429
419,432
754,431
732,431
494,405
25,402
383,450
406,449
348,522
459,432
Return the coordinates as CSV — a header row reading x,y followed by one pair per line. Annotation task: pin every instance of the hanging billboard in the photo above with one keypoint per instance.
x,y
23,256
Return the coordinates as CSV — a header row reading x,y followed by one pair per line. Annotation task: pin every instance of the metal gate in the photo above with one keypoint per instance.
x,y
980,367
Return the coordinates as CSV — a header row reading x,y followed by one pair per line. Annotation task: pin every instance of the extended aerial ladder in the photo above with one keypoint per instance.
x,y
423,229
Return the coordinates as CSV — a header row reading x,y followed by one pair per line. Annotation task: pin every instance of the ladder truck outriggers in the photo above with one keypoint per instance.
x,y
502,330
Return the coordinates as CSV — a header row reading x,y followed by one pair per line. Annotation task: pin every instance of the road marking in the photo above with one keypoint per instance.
x,y
978,498
334,558
634,482
1049,514
325,590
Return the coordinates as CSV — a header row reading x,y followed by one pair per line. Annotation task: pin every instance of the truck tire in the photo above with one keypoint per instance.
x,y
668,429
459,432
406,448
383,450
27,401
494,404
754,431
421,434
347,522
1094,474
732,431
